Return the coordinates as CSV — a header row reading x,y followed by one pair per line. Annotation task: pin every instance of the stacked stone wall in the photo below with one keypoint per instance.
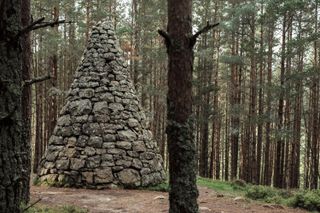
x,y
102,136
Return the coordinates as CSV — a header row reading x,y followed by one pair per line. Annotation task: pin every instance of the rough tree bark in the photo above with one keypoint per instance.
x,y
278,165
12,171
267,151
26,94
182,163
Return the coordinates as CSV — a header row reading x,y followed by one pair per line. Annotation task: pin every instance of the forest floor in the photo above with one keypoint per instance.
x,y
143,201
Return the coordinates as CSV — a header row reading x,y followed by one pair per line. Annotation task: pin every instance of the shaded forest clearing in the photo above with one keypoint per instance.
x,y
215,196
118,200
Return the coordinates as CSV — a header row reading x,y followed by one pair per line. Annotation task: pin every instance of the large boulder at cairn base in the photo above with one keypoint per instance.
x,y
102,136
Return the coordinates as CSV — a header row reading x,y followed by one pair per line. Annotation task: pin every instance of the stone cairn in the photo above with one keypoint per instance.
x,y
102,136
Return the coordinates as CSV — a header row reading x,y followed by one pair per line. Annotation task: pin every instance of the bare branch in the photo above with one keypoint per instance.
x,y
166,37
34,203
36,80
209,26
40,24
50,24
30,27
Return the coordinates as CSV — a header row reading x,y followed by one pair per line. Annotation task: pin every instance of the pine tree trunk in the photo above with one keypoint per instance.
x,y
88,18
267,160
227,145
38,144
183,190
234,119
315,96
279,158
53,101
314,117
26,97
252,162
261,101
287,105
13,175
216,126
295,150
205,107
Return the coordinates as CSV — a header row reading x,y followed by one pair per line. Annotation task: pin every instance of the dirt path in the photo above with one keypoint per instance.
x,y
138,201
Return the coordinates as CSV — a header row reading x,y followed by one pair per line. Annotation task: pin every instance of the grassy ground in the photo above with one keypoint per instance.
x,y
226,188
59,209
306,199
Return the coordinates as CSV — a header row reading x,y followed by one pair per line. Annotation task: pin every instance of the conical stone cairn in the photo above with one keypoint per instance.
x,y
102,136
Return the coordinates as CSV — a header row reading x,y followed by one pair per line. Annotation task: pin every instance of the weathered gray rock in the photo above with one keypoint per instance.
x,y
115,107
62,164
102,136
147,156
137,164
64,120
123,163
124,145
82,141
132,122
72,142
103,175
139,146
56,140
129,177
93,162
49,165
86,93
127,135
89,151
80,107
109,138
150,178
88,177
100,108
91,129
77,164
95,141
52,156
71,152
81,119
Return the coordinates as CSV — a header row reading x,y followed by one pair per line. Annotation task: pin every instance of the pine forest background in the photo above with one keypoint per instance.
x,y
256,80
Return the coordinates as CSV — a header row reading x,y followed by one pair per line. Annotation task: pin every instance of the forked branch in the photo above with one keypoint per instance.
x,y
29,28
208,27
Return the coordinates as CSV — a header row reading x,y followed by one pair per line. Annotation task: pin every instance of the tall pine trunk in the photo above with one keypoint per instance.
x,y
183,190
26,96
267,160
279,156
13,174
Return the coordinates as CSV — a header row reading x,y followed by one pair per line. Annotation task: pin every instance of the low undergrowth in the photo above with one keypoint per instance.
x,y
58,209
162,187
56,183
229,188
305,199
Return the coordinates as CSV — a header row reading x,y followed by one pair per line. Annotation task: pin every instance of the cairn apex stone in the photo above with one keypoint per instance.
x,y
102,136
